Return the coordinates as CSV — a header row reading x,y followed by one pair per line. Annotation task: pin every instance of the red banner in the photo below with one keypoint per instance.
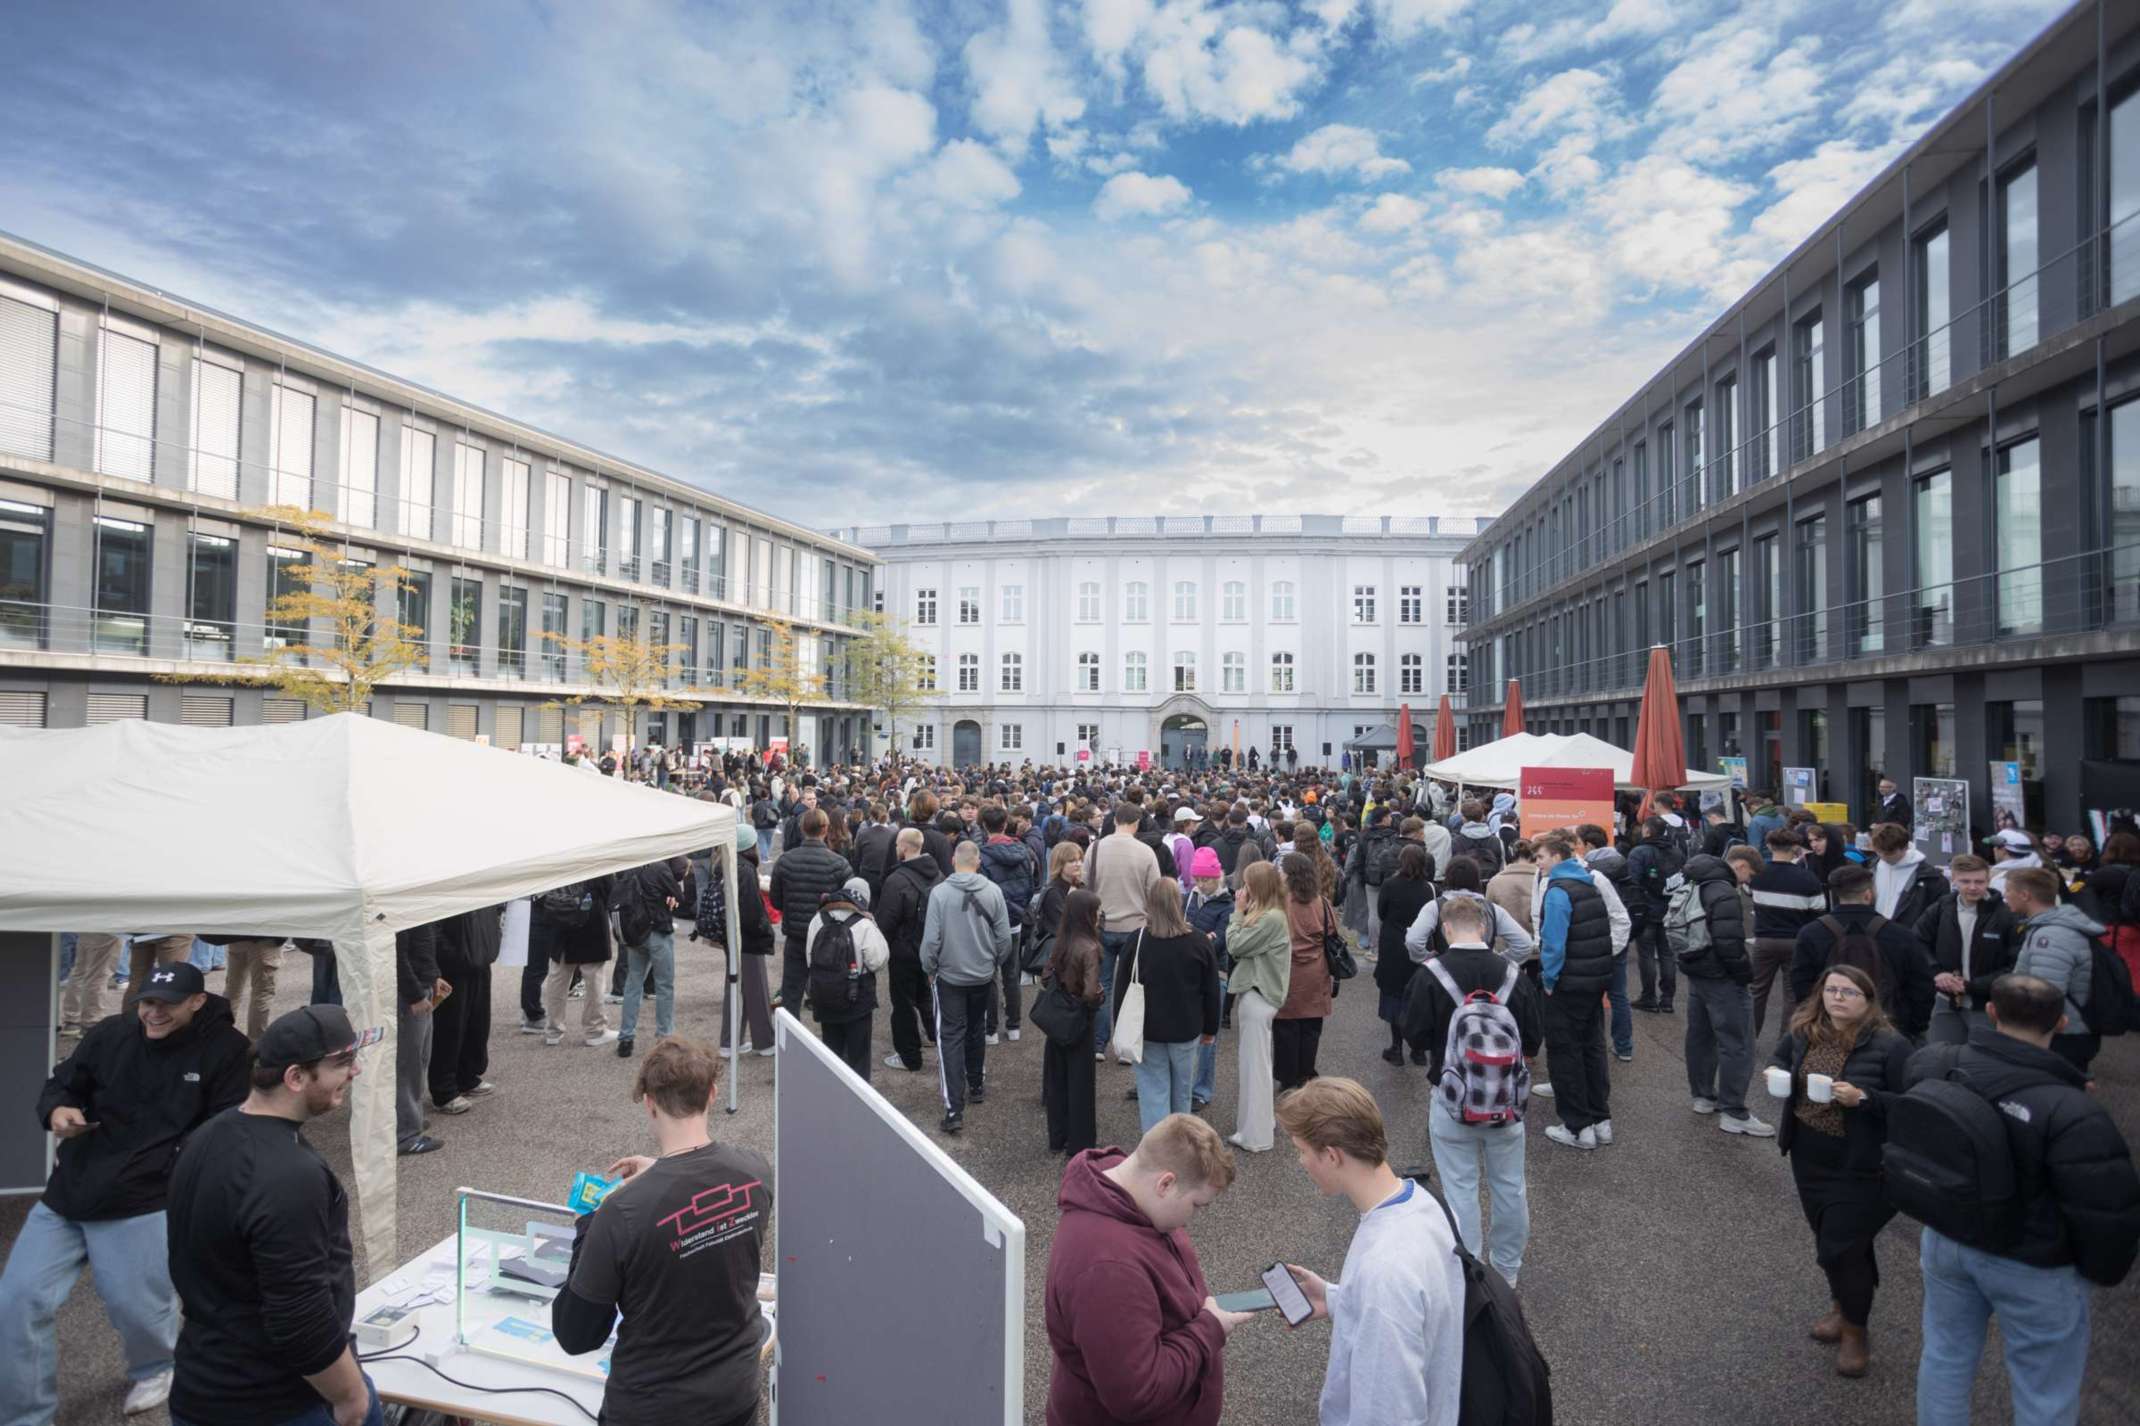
x,y
1553,797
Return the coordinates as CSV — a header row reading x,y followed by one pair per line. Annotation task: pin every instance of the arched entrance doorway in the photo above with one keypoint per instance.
x,y
1183,739
965,743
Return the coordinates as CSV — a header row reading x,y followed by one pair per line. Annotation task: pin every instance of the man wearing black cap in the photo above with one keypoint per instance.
x,y
260,1247
121,1105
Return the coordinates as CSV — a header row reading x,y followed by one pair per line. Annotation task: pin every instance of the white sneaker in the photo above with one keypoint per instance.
x,y
1011,1035
1604,1131
607,1037
1704,1106
1100,1055
553,1037
148,1393
1542,1091
534,1027
1562,1134
765,1054
990,1040
1748,1125
459,1104
894,1062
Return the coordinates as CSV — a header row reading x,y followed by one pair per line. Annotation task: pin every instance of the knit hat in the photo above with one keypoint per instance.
x,y
1205,863
857,891
746,836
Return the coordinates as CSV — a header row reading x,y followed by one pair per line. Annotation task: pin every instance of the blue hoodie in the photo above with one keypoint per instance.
x,y
1553,930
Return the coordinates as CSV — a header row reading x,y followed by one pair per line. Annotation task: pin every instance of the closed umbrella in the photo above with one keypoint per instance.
x,y
1404,735
1660,740
1512,712
1444,732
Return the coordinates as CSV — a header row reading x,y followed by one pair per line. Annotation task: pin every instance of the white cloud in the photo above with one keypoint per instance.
x,y
1811,189
1456,68
1906,94
1392,213
1578,101
1018,80
1738,91
1342,148
965,174
1200,60
1483,182
1400,20
1135,195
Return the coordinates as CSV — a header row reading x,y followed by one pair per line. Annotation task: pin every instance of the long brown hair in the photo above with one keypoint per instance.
x,y
1819,1028
1302,883
1079,931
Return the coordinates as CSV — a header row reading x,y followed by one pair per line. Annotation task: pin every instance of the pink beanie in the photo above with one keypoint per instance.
x,y
1205,863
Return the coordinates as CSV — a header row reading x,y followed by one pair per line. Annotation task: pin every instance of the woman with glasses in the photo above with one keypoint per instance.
x,y
1841,1043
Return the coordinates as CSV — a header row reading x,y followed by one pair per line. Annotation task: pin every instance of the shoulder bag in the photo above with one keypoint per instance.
x,y
1127,1041
1337,956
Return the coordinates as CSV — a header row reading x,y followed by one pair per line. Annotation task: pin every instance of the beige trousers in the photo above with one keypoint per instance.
x,y
558,982
81,999
250,966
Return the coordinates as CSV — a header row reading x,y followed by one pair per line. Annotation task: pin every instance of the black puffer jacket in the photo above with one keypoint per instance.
x,y
1650,865
1992,949
145,1096
1875,1064
1909,971
1726,958
801,880
903,913
2086,1208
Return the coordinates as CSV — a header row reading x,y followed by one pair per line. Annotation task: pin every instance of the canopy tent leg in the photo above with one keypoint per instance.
x,y
366,969
732,1010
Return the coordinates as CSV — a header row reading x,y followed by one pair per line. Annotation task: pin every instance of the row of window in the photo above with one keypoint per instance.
x,y
1233,603
1010,738
1233,673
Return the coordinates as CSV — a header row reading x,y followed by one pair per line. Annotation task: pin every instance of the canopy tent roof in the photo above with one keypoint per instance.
x,y
1382,738
346,828
1501,763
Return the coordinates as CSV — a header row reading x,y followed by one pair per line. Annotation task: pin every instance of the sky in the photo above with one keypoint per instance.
x,y
888,260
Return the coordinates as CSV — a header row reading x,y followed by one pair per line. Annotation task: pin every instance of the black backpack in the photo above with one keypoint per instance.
x,y
710,916
1506,1381
1038,941
633,917
1861,948
1382,860
1948,1162
835,966
2111,1008
568,905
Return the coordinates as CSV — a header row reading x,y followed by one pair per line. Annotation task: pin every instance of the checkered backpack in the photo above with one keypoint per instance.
x,y
1484,1079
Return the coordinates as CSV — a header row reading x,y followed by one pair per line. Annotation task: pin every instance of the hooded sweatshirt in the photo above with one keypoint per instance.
x,y
2002,870
1125,1312
1892,897
1504,804
968,931
903,909
2058,946
1482,844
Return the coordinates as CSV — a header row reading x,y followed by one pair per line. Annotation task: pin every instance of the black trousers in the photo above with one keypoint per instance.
x,y
913,1017
1575,1057
1066,1087
794,973
460,1036
1293,1047
1653,958
531,979
961,1052
849,1039
1007,982
1846,1214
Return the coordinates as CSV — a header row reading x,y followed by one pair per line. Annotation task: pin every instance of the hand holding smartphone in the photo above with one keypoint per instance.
x,y
1279,1291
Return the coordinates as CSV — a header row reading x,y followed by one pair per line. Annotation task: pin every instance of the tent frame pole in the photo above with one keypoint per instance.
x,y
732,1009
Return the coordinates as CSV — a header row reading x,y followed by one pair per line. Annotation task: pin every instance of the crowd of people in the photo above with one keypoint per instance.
x,y
1149,917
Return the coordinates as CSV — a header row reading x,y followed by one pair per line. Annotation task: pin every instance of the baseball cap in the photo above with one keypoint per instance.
x,y
1186,814
173,983
311,1033
2012,840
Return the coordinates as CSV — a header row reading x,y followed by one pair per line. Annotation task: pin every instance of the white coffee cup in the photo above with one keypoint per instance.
x,y
1820,1088
1779,1082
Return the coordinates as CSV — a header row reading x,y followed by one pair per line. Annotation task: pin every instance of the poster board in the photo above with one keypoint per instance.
x,y
1144,759
2009,806
1830,812
1735,769
1798,785
1939,816
1553,797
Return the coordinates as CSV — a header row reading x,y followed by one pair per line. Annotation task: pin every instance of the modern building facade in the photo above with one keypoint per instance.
x,y
1167,635
1885,510
142,438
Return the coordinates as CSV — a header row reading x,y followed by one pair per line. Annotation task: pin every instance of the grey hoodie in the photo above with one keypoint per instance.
x,y
968,930
2058,946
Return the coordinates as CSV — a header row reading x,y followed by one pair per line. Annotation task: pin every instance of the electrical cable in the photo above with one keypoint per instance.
x,y
394,1354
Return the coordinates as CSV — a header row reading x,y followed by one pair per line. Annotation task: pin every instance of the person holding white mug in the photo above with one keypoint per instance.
x,y
1844,1061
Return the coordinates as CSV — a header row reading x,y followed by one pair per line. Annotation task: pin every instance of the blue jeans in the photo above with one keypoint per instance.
x,y
130,1262
660,952
1207,1071
1623,1019
67,940
205,957
320,1415
1163,1078
1113,946
2043,1323
326,980
1460,1152
765,845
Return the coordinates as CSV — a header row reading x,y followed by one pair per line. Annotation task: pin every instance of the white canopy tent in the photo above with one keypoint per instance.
x,y
1501,763
345,828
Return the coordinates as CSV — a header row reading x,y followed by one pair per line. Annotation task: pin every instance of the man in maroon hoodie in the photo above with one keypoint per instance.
x,y
1135,1333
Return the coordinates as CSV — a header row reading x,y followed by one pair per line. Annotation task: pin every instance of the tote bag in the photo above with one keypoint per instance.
x,y
1127,1041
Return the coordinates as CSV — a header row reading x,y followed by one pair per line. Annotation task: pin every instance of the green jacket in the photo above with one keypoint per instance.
x,y
1262,952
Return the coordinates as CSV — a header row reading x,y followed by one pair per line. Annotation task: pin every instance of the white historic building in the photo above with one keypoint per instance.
x,y
1167,634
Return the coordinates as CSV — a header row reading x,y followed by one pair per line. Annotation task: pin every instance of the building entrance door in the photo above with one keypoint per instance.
x,y
1180,738
965,743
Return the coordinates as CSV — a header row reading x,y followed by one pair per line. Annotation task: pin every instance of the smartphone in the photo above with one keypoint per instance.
x,y
1287,1294
1255,1300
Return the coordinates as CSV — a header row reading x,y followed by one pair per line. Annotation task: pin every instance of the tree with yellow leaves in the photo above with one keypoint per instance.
x,y
784,677
623,672
886,670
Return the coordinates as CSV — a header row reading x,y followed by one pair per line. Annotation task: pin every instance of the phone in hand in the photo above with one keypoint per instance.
x,y
1287,1294
1255,1300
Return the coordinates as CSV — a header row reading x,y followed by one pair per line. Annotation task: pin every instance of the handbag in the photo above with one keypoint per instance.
x,y
1062,1017
1127,1041
1337,956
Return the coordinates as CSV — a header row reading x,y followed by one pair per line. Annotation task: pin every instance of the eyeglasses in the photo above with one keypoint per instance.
x,y
341,1061
1843,992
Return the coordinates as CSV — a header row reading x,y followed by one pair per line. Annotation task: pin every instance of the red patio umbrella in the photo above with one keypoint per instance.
x,y
1444,732
1512,711
1660,738
1404,735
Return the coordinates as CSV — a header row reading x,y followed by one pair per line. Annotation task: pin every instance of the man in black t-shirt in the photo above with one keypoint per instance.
x,y
676,1250
260,1245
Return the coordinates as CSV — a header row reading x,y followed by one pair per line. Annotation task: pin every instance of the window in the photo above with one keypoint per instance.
x,y
1233,607
1281,673
926,678
1014,604
969,673
1867,577
1727,607
211,596
1724,440
419,478
925,737
1864,317
1411,604
1697,619
2018,260
120,622
290,448
1088,734
628,622
1010,737
1666,489
553,634
284,580
1363,604
513,514
2121,503
1185,671
217,389
1932,607
29,364
1137,602
1811,360
1012,677
1363,673
1932,739
1934,313
360,467
557,519
2019,515
1184,602
628,537
464,627
1411,674
1088,603
1088,673
126,405
1282,602
687,528
466,528
1457,672
1766,419
2124,166
594,619
658,640
512,631
1768,603
1133,672
1693,477
1457,605
970,604
1811,620
925,607
1282,737
659,520
25,549
1233,673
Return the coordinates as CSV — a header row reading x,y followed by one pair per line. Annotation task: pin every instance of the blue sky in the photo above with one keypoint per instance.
x,y
893,259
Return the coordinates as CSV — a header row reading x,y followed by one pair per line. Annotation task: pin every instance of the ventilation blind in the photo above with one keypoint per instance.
x,y
412,715
549,725
29,354
461,721
21,709
508,733
282,710
205,710
126,422
114,707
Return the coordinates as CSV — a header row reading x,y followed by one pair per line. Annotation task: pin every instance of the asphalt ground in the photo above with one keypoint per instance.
x,y
1669,1279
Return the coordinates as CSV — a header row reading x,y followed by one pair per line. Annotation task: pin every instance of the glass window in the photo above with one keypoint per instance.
x,y
1811,580
1932,617
926,680
1233,672
1011,736
2124,498
1234,609
1363,604
513,514
1727,608
1137,602
594,619
1724,440
419,473
126,406
284,579
360,467
594,530
970,604
627,536
290,445
969,673
467,523
2018,260
658,519
217,399
1768,603
1184,602
1411,674
1457,670
717,563
1935,312
29,363
2124,236
1088,673
464,629
1281,673
628,621
553,637
120,623
1088,603
1185,671
1932,740
25,555
512,631
1667,487
412,607
1691,467
925,607
1697,619
687,554
1867,574
2111,728
1411,603
1767,420
2016,735
2019,515
1812,362
211,596
1363,673
1864,314
557,519
1638,519
1282,602
1133,672
1013,603
1457,605
1013,674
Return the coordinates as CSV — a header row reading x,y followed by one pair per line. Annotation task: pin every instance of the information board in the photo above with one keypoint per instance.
x,y
1553,797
